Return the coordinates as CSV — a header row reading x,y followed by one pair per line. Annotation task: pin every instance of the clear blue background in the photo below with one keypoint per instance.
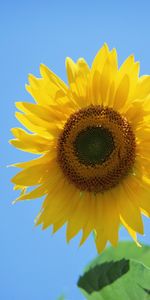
x,y
35,265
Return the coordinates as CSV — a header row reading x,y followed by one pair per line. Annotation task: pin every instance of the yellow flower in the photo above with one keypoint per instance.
x,y
93,138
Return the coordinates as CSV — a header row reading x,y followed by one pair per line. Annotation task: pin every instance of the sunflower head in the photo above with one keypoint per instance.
x,y
92,138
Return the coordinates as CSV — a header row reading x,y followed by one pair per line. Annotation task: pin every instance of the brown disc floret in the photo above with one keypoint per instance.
x,y
96,148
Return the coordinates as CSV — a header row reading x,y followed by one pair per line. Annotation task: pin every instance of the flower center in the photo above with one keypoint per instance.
x,y
94,145
96,148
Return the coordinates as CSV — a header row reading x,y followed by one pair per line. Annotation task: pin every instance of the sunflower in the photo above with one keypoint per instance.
x,y
92,138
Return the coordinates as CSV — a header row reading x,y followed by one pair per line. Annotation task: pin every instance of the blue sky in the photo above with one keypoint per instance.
x,y
34,264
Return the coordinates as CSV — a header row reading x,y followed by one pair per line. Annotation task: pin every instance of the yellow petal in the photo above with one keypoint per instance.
x,y
29,142
143,87
48,159
36,172
58,224
100,58
107,76
126,66
86,232
130,69
47,113
78,80
122,92
95,89
89,223
39,121
78,220
83,67
36,193
135,114
105,81
37,125
82,221
129,210
103,78
71,70
131,232
47,73
56,205
46,90
110,216
31,176
101,241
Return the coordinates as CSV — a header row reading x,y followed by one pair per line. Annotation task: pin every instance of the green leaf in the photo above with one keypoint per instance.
x,y
128,250
131,285
118,274
103,275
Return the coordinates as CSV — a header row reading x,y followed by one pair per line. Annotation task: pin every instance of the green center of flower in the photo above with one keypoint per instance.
x,y
94,145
